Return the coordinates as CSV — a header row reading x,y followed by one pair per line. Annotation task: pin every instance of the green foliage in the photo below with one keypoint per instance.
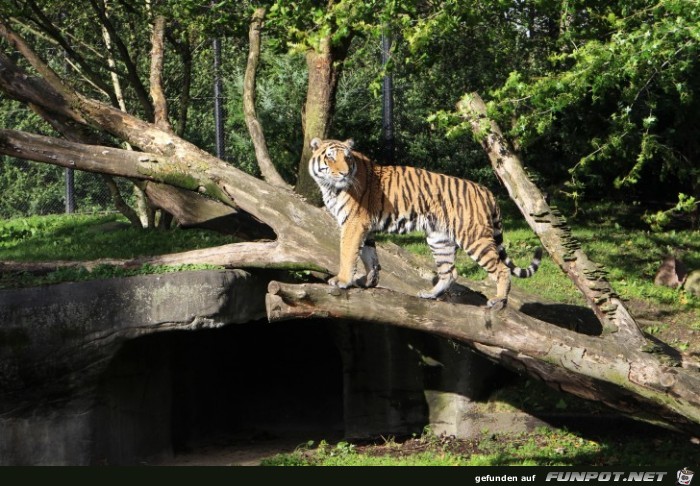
x,y
306,24
686,206
599,96
616,99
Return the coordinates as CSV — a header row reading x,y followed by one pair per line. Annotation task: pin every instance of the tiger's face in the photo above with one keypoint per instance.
x,y
332,164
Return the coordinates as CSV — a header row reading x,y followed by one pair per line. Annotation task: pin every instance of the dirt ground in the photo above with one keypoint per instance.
x,y
245,449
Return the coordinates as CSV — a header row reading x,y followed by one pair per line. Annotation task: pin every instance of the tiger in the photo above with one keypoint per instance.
x,y
366,198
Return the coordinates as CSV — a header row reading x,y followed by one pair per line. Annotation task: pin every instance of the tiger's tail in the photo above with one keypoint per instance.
x,y
518,271
503,255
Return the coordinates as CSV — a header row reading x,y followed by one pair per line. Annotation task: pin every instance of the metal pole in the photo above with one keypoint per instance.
x,y
218,101
69,174
70,191
387,101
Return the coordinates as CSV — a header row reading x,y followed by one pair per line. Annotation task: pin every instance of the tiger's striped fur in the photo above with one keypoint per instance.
x,y
365,198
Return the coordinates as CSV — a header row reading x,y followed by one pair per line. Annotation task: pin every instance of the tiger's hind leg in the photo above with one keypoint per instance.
x,y
485,252
444,249
368,255
502,277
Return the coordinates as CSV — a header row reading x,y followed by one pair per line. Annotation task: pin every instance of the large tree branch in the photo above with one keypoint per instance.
x,y
626,379
262,255
48,74
267,168
184,50
550,226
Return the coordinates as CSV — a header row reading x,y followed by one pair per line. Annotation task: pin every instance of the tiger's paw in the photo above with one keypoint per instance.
x,y
426,294
371,279
496,304
341,284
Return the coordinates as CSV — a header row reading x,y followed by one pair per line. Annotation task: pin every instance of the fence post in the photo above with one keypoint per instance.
x,y
387,100
218,102
70,191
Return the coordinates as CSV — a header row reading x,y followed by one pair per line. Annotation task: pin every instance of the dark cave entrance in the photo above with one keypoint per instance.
x,y
190,389
256,378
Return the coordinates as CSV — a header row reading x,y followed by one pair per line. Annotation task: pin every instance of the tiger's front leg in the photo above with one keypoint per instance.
x,y
352,235
368,255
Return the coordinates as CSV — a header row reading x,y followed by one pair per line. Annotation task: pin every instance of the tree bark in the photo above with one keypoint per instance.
x,y
550,226
160,105
267,168
119,202
190,209
323,65
132,70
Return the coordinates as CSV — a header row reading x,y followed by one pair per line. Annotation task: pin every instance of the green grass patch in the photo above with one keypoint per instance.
x,y
541,447
91,237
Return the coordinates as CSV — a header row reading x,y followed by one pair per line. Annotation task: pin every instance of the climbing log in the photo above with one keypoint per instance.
x,y
634,382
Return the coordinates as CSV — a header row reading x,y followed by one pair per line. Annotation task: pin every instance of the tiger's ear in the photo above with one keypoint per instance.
x,y
315,143
350,143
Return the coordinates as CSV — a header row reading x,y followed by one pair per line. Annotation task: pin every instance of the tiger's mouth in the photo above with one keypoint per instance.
x,y
342,182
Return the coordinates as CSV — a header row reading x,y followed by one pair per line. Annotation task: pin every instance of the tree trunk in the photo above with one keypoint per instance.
x,y
324,71
267,168
160,105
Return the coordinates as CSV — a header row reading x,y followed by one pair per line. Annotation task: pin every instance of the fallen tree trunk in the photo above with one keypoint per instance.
x,y
626,379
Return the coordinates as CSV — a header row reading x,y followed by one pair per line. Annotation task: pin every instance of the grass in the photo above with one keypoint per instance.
x,y
92,237
542,447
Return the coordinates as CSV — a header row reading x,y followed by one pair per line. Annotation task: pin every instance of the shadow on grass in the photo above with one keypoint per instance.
x,y
572,317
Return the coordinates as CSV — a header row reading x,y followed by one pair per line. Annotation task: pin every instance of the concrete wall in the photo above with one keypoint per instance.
x,y
123,371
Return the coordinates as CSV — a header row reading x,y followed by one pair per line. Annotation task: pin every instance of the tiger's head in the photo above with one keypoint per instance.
x,y
332,163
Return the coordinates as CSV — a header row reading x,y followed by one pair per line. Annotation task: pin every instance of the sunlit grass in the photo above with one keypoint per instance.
x,y
631,257
541,447
91,237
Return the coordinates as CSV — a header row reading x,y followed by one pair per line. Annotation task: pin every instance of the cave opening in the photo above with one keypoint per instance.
x,y
181,390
